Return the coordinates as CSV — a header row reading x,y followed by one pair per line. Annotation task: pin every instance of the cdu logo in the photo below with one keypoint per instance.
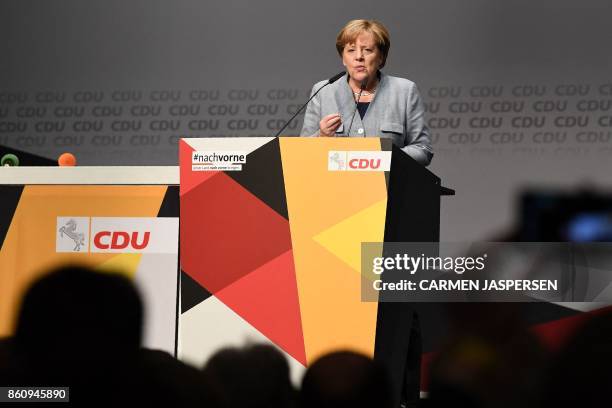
x,y
359,161
117,235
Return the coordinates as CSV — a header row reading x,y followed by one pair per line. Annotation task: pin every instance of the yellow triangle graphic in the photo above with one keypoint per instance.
x,y
126,264
344,238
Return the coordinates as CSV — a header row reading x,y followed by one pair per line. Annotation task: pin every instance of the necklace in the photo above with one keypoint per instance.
x,y
365,93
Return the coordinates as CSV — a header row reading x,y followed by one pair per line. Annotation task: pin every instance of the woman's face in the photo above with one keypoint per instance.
x,y
362,58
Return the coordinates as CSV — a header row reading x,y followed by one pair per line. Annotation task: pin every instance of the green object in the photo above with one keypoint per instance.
x,y
9,159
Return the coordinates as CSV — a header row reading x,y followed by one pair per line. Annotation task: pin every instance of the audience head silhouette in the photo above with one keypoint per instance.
x,y
256,376
345,379
75,311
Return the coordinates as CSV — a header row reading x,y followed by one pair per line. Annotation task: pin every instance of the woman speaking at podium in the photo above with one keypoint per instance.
x,y
366,102
386,106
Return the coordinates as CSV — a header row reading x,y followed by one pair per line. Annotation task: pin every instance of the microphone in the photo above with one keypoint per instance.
x,y
66,160
334,78
9,160
361,88
329,81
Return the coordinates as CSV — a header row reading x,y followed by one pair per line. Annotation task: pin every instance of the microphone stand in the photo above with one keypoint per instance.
x,y
329,81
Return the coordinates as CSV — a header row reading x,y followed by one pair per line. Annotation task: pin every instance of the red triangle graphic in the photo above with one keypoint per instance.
x,y
267,298
555,334
190,179
227,233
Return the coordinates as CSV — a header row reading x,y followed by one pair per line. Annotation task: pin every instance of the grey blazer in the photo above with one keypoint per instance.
x,y
396,112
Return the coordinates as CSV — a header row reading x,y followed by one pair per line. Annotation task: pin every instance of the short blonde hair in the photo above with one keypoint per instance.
x,y
354,28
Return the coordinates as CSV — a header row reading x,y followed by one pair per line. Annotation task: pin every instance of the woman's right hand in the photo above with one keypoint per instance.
x,y
329,124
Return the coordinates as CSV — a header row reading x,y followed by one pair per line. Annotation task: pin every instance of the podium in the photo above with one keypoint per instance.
x,y
50,216
271,232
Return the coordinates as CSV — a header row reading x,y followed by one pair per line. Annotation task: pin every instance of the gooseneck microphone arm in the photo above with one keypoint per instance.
x,y
329,81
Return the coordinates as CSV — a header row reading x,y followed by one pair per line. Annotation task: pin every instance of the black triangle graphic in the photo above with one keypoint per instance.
x,y
10,199
387,174
192,293
262,175
28,159
170,206
385,146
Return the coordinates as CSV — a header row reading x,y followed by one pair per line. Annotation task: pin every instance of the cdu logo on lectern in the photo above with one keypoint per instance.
x,y
359,161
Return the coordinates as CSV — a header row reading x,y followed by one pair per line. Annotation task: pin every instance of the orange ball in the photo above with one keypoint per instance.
x,y
66,159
